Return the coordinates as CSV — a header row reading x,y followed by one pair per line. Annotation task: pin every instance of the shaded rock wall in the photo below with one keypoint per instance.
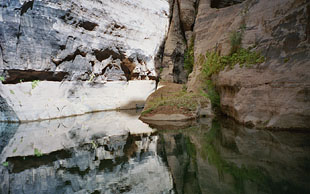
x,y
275,93
180,33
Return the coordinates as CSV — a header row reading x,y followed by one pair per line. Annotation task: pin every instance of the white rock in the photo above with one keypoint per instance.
x,y
60,99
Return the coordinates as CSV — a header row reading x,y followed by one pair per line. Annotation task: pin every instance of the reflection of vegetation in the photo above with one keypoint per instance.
x,y
190,148
190,179
94,145
5,164
240,174
204,143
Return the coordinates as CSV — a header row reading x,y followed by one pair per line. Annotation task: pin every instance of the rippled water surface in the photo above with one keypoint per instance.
x,y
114,152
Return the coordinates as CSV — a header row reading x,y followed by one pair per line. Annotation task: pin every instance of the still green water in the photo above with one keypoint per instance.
x,y
106,153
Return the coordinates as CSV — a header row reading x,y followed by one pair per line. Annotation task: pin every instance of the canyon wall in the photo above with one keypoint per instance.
x,y
275,93
77,46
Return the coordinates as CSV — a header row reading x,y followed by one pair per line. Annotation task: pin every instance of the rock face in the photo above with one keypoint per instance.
x,y
81,36
173,58
180,34
47,99
93,42
274,94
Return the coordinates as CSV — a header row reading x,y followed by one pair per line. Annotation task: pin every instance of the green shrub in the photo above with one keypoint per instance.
x,y
214,63
34,83
2,79
213,95
235,41
189,57
181,100
37,152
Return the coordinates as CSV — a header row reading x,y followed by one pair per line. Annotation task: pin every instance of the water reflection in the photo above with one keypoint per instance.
x,y
98,153
114,152
222,157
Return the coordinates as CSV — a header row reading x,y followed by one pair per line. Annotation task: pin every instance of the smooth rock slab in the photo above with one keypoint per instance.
x,y
47,99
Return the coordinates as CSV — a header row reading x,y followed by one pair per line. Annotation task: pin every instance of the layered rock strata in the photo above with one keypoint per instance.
x,y
274,94
86,42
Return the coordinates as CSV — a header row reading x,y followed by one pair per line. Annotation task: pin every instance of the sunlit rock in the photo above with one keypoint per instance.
x,y
31,101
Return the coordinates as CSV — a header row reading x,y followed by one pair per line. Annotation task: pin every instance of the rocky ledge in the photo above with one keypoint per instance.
x,y
172,104
42,100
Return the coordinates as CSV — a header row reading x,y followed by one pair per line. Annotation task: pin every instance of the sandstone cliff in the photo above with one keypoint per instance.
x,y
274,94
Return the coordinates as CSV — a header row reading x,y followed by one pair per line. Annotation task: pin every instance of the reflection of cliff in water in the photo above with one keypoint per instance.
x,y
114,152
97,158
227,158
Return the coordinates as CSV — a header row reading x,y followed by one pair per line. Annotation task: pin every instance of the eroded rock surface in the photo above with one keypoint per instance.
x,y
274,94
78,36
75,49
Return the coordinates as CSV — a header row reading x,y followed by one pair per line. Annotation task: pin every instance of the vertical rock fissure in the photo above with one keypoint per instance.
x,y
196,5
181,25
27,5
308,24
18,34
2,54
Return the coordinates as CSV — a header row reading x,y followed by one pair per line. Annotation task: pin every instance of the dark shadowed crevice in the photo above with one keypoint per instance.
x,y
180,21
2,54
14,76
7,114
224,3
87,25
7,131
106,53
27,5
308,24
70,57
20,165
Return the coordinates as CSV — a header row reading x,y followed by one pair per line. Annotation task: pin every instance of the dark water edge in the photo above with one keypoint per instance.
x,y
102,153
